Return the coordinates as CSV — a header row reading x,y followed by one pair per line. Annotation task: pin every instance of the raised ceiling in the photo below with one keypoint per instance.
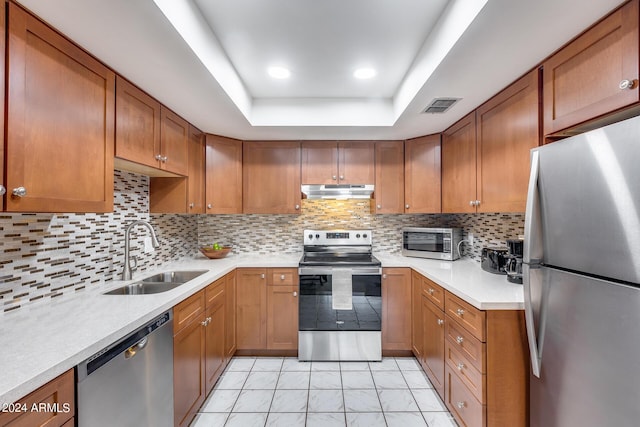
x,y
322,42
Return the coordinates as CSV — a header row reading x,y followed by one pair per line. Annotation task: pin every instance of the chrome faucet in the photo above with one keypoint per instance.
x,y
128,270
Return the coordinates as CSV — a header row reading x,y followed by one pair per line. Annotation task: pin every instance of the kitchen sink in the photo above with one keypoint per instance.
x,y
158,283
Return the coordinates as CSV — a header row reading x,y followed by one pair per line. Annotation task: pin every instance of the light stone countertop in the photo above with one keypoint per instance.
x,y
43,340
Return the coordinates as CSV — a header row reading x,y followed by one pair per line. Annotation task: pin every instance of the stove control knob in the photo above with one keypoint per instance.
x,y
357,236
310,236
364,235
317,236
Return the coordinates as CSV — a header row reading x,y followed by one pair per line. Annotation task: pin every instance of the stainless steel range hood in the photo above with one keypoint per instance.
x,y
338,191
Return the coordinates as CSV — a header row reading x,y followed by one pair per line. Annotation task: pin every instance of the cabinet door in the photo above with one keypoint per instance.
x,y
319,162
271,177
215,317
137,125
251,308
422,175
581,81
396,312
60,122
188,371
507,130
2,76
196,172
230,319
174,137
223,175
459,166
356,162
433,344
416,315
282,317
389,185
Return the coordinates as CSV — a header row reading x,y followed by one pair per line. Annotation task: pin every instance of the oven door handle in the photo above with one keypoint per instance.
x,y
326,270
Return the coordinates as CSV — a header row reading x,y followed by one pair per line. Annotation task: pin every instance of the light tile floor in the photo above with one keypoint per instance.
x,y
282,392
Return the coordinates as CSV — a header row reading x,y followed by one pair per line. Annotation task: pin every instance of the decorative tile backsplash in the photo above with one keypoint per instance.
x,y
45,255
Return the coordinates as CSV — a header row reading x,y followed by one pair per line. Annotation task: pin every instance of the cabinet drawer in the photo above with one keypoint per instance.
x,y
283,276
468,345
461,402
468,316
467,373
433,292
214,293
187,311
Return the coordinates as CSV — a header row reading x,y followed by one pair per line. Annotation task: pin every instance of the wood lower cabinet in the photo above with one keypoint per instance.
x,y
582,81
282,317
396,311
215,319
59,122
459,166
433,343
230,320
251,308
223,175
417,345
59,394
422,175
271,177
389,183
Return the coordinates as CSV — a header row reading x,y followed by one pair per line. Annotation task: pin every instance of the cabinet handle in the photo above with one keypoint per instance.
x,y
209,206
334,177
461,405
627,84
2,190
459,339
297,207
19,192
460,366
431,291
440,322
262,276
295,294
460,312
192,205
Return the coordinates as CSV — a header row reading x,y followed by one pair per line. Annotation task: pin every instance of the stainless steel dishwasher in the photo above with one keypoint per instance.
x,y
130,383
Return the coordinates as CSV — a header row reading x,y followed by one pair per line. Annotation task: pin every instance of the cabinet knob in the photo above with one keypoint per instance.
x,y
431,291
282,277
209,206
460,312
341,177
459,339
2,190
384,276
334,177
477,202
204,322
460,366
297,207
158,157
262,276
627,84
440,322
461,405
295,294
379,206
19,192
472,202
164,159
192,205
406,206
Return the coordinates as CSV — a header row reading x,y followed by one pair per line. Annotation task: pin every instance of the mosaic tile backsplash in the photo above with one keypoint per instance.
x,y
272,234
45,255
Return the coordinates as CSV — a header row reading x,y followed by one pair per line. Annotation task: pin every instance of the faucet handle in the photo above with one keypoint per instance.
x,y
134,261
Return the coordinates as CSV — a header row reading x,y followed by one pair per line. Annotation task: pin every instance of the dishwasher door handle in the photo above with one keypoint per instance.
x,y
134,349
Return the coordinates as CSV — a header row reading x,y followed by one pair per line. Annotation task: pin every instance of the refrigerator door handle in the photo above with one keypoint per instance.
x,y
532,224
536,357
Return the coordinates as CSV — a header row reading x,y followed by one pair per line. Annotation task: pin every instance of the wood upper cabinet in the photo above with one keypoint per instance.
x,y
230,319
223,175
174,137
583,80
196,172
271,177
60,122
344,162
59,391
396,309
389,182
507,129
459,166
251,308
433,331
422,175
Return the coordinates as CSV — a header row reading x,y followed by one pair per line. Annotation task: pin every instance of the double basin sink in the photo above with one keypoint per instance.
x,y
158,283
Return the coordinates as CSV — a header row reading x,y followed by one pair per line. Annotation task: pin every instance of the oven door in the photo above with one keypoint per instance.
x,y
317,310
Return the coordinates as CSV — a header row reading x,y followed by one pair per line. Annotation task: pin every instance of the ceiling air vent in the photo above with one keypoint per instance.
x,y
440,105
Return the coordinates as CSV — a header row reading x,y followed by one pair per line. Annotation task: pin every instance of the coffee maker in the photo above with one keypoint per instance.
x,y
513,260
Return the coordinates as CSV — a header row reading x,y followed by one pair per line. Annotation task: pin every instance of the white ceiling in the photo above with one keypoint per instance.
x,y
322,42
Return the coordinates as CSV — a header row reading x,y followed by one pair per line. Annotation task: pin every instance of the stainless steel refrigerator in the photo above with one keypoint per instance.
x,y
582,279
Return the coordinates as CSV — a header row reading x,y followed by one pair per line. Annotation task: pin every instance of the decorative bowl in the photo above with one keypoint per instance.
x,y
211,253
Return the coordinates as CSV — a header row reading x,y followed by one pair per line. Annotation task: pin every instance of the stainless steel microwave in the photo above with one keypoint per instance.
x,y
436,243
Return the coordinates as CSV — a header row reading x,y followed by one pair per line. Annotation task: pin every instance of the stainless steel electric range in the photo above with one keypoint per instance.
x,y
340,312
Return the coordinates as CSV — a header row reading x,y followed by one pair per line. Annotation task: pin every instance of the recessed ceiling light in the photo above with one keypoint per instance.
x,y
364,73
279,72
